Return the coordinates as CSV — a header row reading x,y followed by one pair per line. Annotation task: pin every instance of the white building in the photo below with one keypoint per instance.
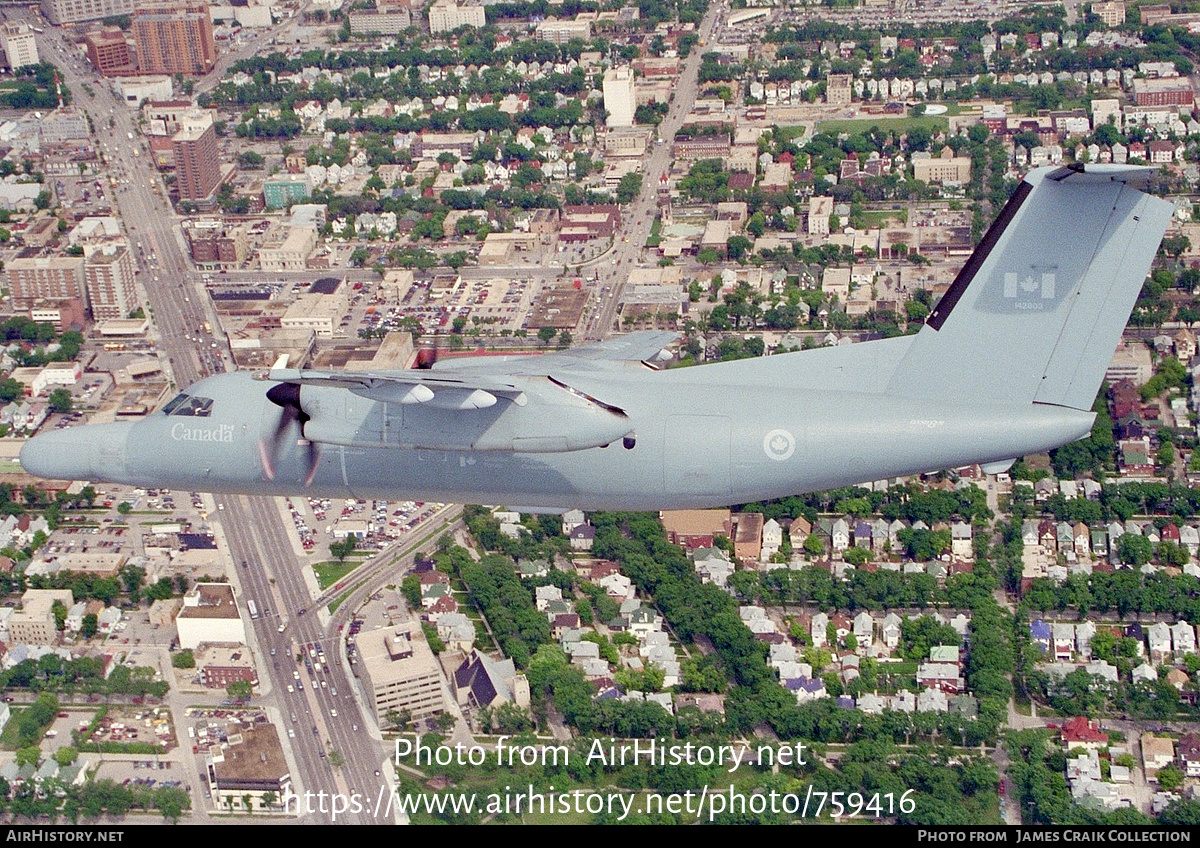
x,y
210,614
619,100
20,49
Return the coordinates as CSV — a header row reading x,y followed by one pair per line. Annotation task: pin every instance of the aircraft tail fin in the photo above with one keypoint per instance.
x,y
1037,311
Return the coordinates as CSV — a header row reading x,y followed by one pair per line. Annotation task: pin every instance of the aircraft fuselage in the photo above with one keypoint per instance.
x,y
693,444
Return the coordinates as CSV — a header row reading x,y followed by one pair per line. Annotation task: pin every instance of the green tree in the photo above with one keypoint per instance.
x,y
342,549
628,187
1134,549
1170,776
59,610
124,507
184,659
240,690
250,159
858,557
60,400
738,246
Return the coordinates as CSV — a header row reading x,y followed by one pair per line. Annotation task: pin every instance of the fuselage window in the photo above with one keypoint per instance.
x,y
190,405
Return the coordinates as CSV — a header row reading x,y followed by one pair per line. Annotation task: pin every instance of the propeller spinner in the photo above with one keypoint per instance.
x,y
287,397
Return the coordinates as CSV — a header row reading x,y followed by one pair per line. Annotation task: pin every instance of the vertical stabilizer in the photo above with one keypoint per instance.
x,y
1037,311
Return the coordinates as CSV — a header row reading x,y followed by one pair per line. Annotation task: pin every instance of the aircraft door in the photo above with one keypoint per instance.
x,y
696,455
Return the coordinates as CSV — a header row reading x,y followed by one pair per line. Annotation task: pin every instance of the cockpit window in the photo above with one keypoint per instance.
x,y
190,405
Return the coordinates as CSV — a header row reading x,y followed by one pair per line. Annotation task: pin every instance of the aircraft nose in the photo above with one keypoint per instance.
x,y
95,452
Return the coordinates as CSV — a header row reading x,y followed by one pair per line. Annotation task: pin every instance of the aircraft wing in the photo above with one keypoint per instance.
x,y
413,386
642,346
453,411
455,406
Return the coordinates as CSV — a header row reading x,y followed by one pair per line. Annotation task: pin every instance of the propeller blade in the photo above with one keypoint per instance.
x,y
287,397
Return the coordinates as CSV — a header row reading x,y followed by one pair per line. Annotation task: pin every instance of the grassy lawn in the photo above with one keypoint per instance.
x,y
329,573
900,123
10,739
655,237
879,217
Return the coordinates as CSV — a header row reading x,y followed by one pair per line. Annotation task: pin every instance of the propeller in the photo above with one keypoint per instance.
x,y
287,397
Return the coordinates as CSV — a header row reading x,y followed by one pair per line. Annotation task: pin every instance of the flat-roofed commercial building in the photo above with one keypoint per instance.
x,y
20,48
447,16
383,22
108,51
74,11
109,277
210,614
35,278
320,313
197,159
175,40
287,251
400,672
247,766
34,622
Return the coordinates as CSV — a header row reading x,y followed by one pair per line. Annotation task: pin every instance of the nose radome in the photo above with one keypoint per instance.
x,y
95,452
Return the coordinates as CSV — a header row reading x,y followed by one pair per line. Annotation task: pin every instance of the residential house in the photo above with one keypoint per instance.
x,y
1188,751
1079,732
1158,640
1144,673
1062,640
889,632
772,540
747,542
1039,632
1084,631
864,631
943,676
1183,638
818,629
1157,751
932,701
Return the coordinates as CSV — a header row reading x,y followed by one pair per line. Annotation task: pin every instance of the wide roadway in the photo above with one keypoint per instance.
x,y
253,527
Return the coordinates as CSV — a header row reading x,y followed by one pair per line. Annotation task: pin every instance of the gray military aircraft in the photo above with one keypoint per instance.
x,y
1008,363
